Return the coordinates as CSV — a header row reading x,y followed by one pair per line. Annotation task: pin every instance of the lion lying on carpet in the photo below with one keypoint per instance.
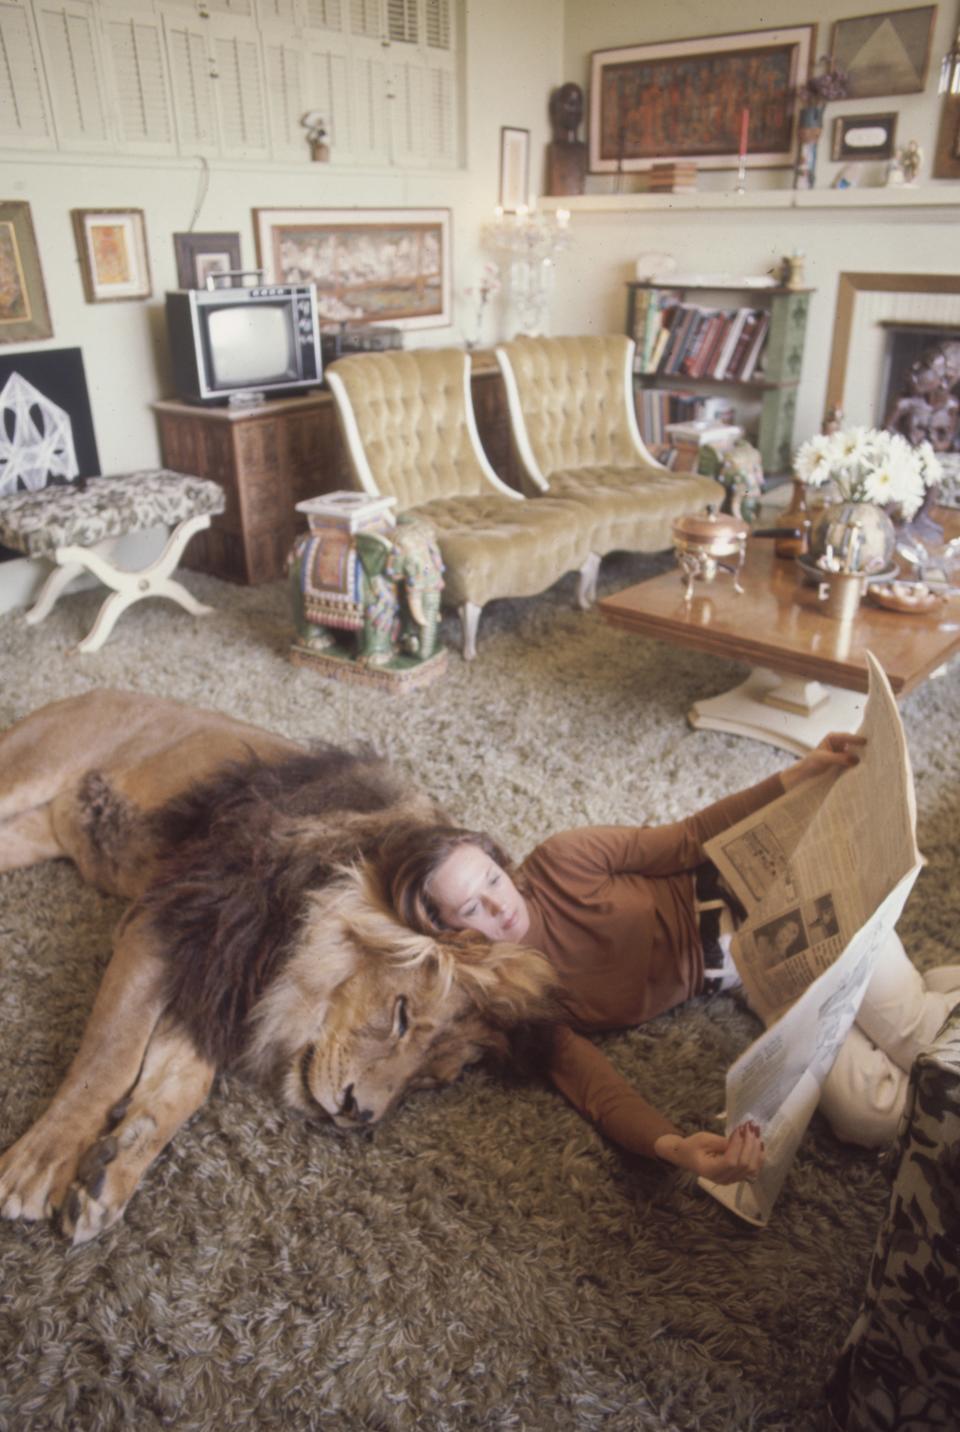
x,y
250,942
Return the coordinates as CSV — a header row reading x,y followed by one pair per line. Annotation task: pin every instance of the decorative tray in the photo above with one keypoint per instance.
x,y
913,598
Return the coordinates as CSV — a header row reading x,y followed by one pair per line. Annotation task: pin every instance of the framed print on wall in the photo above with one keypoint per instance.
x,y
864,136
685,99
514,168
200,255
24,314
886,53
112,244
369,265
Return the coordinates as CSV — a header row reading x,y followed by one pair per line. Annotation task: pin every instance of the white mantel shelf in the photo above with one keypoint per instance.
x,y
728,201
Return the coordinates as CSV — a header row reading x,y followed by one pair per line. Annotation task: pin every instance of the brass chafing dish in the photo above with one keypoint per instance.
x,y
708,542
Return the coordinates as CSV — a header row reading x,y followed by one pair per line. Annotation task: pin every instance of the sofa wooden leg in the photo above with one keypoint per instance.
x,y
587,586
469,621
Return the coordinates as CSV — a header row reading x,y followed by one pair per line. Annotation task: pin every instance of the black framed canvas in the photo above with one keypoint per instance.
x,y
57,374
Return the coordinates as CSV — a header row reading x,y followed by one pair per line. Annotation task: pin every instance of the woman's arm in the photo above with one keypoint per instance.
x,y
583,1073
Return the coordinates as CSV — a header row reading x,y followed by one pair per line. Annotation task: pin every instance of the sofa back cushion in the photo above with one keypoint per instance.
x,y
410,410
573,401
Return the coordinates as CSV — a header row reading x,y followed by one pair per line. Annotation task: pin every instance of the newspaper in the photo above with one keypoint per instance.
x,y
824,873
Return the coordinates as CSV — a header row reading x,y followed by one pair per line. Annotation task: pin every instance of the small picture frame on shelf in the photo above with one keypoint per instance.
x,y
112,246
514,168
201,255
24,314
864,136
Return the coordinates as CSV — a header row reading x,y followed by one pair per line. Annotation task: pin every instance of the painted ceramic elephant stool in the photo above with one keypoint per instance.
x,y
366,590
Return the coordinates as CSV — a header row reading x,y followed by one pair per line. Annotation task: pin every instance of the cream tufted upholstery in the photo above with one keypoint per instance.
x,y
411,434
571,409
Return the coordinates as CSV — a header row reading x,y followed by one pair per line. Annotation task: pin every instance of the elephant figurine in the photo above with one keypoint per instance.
x,y
382,582
416,566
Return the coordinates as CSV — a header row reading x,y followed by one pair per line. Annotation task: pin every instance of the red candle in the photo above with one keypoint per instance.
x,y
744,126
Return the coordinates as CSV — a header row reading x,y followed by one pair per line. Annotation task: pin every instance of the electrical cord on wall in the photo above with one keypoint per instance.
x,y
202,186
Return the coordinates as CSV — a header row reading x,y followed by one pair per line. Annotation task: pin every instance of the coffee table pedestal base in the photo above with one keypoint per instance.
x,y
784,711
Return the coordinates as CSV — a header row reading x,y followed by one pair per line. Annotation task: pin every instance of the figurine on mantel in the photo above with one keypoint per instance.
x,y
566,154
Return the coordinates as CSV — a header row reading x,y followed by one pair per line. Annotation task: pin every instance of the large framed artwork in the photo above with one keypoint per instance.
x,y
685,99
200,255
886,53
369,265
24,314
112,245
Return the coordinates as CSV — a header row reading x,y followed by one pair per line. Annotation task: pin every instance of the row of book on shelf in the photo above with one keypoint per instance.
x,y
677,339
662,409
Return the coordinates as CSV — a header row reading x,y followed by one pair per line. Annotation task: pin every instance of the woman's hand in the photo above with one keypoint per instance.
x,y
722,1160
838,749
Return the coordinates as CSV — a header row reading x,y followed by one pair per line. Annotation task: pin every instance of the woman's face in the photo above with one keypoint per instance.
x,y
472,892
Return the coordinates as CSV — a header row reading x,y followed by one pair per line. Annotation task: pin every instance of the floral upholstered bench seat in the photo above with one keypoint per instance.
x,y
77,526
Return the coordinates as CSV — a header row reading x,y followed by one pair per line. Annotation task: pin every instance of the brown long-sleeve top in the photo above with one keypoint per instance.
x,y
612,908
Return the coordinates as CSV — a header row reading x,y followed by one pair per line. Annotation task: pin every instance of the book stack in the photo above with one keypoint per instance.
x,y
675,176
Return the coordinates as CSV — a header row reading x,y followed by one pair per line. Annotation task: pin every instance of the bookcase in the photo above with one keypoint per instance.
x,y
698,340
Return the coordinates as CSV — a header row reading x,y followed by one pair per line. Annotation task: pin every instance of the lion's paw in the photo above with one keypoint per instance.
x,y
106,1176
36,1172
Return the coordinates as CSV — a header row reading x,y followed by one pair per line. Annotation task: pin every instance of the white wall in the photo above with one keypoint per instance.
x,y
590,290
514,59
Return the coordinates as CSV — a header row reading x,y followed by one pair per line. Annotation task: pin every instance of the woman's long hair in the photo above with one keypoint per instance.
x,y
412,854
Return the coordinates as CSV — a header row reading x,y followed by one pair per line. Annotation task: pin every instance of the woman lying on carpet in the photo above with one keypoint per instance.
x,y
628,918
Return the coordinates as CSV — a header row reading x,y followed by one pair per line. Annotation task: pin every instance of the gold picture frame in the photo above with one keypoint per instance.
x,y
24,312
112,247
387,266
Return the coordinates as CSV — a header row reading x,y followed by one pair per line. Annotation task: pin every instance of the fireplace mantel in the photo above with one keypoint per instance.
x,y
902,200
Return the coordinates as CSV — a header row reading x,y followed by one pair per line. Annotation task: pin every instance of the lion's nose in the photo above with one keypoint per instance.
x,y
349,1109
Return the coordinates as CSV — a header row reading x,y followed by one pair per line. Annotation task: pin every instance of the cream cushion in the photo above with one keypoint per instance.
x,y
575,433
419,445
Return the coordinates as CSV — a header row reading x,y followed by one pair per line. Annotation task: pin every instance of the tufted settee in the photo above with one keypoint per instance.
x,y
900,1367
575,427
410,431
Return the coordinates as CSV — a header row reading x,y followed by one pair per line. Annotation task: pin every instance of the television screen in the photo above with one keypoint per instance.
x,y
250,344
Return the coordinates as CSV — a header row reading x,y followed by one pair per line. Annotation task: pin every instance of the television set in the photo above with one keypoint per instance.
x,y
262,338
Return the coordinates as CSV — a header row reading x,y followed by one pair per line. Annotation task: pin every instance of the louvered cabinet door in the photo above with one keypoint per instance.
x,y
287,95
187,44
140,100
327,89
239,90
25,119
71,56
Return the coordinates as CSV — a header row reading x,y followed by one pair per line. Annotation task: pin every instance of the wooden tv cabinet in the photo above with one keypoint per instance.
x,y
268,458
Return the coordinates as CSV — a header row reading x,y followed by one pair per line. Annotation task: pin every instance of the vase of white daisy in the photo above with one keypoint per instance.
x,y
866,474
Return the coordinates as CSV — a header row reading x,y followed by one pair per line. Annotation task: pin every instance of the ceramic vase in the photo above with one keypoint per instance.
x,y
860,535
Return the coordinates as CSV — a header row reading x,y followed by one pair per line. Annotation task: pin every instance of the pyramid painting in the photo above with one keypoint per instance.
x,y
885,54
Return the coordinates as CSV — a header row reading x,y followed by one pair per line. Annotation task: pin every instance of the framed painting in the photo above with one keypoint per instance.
x,y
112,245
946,159
685,99
514,168
24,315
201,255
886,53
864,136
387,266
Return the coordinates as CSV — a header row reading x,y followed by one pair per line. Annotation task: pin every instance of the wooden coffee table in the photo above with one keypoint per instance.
x,y
810,672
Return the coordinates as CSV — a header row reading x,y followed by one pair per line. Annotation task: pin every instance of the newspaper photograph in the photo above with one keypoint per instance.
x,y
824,873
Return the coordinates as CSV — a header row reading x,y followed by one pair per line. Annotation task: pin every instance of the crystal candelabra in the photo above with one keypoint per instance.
x,y
528,243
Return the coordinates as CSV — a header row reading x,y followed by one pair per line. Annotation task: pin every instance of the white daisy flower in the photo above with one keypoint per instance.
x,y
813,461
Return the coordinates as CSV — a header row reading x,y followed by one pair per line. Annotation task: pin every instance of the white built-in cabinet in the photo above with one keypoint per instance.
x,y
232,79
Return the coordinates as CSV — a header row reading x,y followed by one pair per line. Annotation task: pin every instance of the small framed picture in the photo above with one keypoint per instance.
x,y
864,136
200,255
514,168
24,314
112,245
